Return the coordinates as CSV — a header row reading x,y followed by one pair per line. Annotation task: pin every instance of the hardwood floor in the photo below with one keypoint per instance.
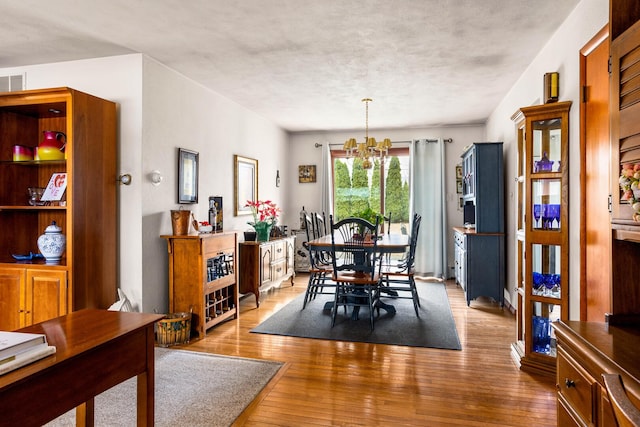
x,y
356,384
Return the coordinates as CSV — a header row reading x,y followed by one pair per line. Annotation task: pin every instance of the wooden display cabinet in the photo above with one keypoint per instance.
x,y
542,234
86,275
202,278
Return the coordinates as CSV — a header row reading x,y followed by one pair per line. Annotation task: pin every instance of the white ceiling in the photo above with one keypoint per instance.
x,y
306,64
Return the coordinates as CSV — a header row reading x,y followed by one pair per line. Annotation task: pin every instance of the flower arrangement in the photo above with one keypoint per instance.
x,y
265,215
263,212
630,184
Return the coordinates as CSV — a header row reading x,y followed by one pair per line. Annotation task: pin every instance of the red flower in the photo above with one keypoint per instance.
x,y
263,211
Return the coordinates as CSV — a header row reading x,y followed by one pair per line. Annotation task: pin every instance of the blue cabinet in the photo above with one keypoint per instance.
x,y
483,185
479,247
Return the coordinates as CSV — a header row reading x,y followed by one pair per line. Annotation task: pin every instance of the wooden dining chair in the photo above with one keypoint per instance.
x,y
320,282
400,279
625,412
354,242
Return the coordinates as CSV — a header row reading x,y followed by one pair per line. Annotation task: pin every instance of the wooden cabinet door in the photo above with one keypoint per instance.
x,y
45,296
595,231
266,257
11,298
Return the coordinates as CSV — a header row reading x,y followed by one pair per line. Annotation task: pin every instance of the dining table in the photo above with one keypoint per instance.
x,y
387,244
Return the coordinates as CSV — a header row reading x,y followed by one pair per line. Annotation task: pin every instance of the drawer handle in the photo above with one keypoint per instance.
x,y
569,383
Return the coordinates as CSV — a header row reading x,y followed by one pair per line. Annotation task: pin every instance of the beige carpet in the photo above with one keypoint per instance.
x,y
192,389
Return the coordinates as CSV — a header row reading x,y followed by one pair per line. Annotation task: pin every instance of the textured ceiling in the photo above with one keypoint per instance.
x,y
306,64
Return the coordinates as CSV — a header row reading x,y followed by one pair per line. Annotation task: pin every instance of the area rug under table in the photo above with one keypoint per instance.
x,y
192,389
434,328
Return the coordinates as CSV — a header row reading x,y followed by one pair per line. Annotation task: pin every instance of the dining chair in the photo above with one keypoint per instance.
x,y
320,282
354,242
323,257
397,280
320,224
625,412
387,222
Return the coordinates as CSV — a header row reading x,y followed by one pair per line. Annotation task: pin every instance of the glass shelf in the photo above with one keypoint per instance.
x,y
546,204
547,145
542,334
546,279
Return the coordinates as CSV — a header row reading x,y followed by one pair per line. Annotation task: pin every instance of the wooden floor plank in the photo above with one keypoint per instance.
x,y
352,384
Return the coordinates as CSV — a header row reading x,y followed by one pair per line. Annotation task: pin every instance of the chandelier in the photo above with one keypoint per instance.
x,y
367,149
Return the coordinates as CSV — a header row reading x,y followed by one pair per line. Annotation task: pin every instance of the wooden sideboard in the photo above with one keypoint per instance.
x,y
586,350
264,265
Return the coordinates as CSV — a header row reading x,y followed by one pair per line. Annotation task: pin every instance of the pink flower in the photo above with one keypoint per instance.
x,y
263,211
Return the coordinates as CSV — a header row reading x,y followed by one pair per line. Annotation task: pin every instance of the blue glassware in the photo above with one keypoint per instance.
x,y
538,281
536,214
541,334
544,213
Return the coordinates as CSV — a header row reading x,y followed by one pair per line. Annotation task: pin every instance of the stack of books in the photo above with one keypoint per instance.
x,y
18,349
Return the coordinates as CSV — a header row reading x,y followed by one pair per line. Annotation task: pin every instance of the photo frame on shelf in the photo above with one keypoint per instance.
x,y
187,176
306,173
245,184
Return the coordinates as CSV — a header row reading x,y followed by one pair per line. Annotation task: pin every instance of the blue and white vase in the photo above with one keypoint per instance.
x,y
52,243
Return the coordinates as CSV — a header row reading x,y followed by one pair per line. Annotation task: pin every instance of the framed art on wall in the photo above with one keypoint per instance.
x,y
245,184
307,173
187,176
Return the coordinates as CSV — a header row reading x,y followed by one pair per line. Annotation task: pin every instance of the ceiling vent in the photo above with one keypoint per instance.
x,y
12,83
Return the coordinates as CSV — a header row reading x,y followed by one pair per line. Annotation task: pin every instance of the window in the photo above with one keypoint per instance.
x,y
384,188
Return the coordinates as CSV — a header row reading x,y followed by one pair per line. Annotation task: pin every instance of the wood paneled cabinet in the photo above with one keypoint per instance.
x,y
625,149
265,265
30,295
86,275
586,350
202,278
542,232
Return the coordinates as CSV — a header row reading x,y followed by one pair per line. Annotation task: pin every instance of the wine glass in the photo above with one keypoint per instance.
x,y
555,214
536,214
544,213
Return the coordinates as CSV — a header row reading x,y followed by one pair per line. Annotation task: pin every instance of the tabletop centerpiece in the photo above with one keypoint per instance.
x,y
265,216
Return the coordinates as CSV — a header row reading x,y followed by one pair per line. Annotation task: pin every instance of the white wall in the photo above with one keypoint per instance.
x,y
160,110
179,113
303,152
560,54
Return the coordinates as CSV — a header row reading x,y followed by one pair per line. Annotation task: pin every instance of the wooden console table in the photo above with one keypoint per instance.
x,y
95,350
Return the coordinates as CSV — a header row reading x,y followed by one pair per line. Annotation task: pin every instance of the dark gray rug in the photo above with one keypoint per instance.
x,y
192,389
435,328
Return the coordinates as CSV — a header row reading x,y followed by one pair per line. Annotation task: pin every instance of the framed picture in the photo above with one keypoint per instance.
x,y
307,173
459,172
459,186
245,184
187,176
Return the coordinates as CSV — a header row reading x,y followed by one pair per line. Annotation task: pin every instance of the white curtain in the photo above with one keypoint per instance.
x,y
428,199
326,181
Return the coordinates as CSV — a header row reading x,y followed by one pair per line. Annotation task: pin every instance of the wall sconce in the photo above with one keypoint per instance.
x,y
278,178
551,87
156,177
124,178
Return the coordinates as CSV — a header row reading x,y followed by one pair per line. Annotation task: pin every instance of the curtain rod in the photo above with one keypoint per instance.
x,y
447,140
